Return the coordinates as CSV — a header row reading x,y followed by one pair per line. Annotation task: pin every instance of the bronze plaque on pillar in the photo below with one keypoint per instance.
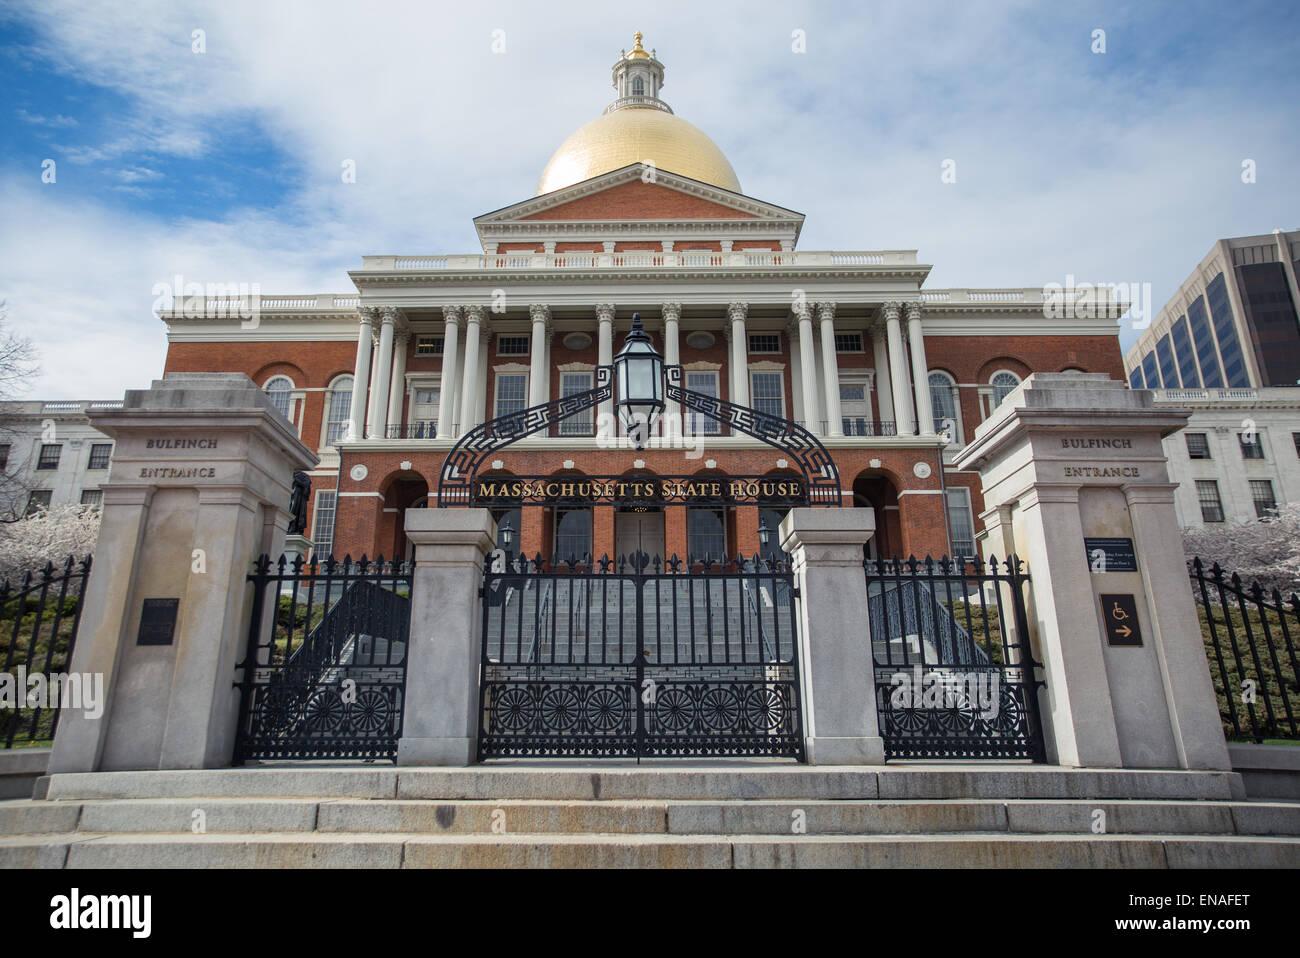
x,y
157,622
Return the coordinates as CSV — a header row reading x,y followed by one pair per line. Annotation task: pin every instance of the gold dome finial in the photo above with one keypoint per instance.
x,y
638,51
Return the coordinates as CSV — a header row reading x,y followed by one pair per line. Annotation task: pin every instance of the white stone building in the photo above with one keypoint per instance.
x,y
1239,456
50,455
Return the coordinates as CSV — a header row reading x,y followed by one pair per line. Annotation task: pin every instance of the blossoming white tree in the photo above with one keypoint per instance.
x,y
1266,551
48,535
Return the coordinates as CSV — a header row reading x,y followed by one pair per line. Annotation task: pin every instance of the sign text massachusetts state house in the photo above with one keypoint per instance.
x,y
639,212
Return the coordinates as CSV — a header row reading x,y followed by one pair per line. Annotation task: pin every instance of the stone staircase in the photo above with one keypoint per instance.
x,y
714,815
566,617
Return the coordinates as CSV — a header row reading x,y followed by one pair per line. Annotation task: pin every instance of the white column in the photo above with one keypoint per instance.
x,y
808,366
397,388
606,428
834,424
379,389
541,316
739,354
361,376
884,388
469,388
371,398
452,319
920,373
898,371
672,313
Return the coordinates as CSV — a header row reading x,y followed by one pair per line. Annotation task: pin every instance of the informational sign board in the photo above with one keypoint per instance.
x,y
1110,555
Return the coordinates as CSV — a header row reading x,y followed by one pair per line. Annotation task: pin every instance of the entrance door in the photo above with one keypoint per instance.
x,y
639,532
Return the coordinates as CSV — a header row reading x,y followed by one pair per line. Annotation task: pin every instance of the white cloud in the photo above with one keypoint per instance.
x,y
35,118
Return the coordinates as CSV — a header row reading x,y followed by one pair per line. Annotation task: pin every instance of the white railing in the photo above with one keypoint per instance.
x,y
1223,395
79,405
651,259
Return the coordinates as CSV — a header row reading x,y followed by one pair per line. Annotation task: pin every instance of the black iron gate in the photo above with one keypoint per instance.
x,y
324,675
955,677
638,657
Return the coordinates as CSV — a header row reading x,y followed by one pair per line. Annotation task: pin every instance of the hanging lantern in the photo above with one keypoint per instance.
x,y
639,371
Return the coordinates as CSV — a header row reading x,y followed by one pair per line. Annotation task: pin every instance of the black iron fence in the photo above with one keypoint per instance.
x,y
638,656
1250,639
38,624
954,674
324,675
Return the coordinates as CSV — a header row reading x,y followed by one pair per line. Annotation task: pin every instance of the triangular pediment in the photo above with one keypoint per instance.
x,y
637,195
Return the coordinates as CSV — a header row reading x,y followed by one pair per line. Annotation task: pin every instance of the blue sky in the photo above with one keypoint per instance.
x,y
223,166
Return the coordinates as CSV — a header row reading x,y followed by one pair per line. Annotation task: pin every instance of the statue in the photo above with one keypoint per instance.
x,y
298,503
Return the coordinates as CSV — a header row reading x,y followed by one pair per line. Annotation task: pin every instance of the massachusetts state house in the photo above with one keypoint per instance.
x,y
639,212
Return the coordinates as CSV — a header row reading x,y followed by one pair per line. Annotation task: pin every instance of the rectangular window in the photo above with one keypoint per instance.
x,y
1135,379
39,501
848,342
423,422
512,393
855,409
961,530
1186,357
1207,492
1251,447
764,342
1168,369
1225,329
706,533
92,497
1203,337
100,453
1261,493
323,524
1295,438
428,346
581,423
705,382
49,457
1150,372
4,455
1198,445
767,393
512,345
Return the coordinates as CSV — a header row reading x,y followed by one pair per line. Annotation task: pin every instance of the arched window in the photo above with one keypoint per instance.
x,y
1003,383
338,410
572,533
638,86
706,533
943,400
280,391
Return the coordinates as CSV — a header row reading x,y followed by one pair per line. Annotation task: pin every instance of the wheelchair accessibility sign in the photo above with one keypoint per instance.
x,y
1120,612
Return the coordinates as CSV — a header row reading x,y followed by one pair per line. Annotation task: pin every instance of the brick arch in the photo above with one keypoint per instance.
x,y
992,366
281,368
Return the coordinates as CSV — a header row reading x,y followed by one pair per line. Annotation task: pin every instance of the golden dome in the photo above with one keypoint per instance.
x,y
635,135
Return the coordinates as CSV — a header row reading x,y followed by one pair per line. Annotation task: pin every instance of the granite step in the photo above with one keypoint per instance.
x,y
762,817
396,850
